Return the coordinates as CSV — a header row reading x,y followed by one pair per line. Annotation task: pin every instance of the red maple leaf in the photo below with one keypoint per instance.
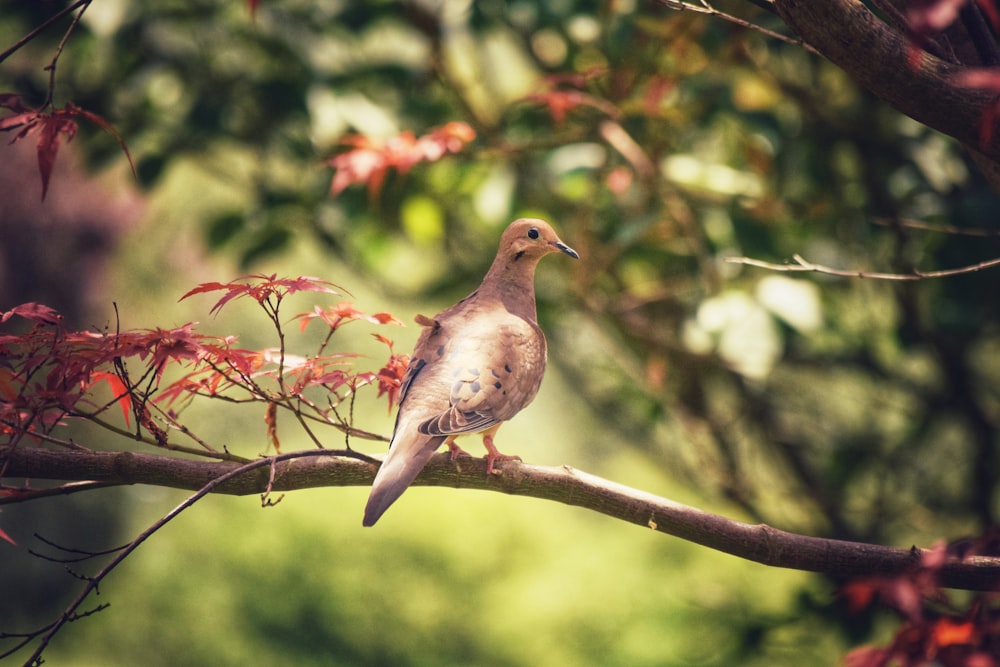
x,y
51,126
342,313
218,367
991,10
180,344
561,94
933,16
271,423
561,102
118,389
868,656
48,144
950,631
34,312
261,288
986,78
390,377
368,160
657,89
859,594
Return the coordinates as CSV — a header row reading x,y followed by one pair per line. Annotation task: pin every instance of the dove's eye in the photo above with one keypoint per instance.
x,y
533,233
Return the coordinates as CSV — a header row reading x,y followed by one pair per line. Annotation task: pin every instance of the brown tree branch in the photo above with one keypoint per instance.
x,y
891,66
316,468
802,265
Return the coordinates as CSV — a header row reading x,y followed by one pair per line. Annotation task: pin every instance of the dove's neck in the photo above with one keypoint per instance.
x,y
512,282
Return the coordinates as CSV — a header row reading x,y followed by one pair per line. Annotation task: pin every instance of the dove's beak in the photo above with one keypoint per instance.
x,y
562,247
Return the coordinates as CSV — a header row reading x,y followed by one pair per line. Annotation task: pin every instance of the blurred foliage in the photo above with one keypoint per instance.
x,y
855,409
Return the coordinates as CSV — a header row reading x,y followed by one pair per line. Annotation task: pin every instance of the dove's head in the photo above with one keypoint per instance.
x,y
511,277
530,238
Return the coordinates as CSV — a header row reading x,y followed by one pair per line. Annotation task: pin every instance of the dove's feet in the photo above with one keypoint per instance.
x,y
455,450
492,455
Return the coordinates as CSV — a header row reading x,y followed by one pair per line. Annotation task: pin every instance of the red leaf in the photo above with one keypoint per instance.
x,y
118,389
935,15
23,116
261,288
904,595
370,159
949,632
980,659
342,313
933,558
35,312
991,10
205,287
449,138
28,118
7,537
74,110
561,102
386,318
7,391
657,89
12,102
364,164
48,144
867,656
390,377
858,594
987,78
51,126
271,422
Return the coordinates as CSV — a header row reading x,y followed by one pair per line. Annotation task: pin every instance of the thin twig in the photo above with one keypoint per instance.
x,y
40,29
704,7
174,424
51,67
223,456
27,637
25,430
801,265
265,498
978,232
13,495
81,554
94,581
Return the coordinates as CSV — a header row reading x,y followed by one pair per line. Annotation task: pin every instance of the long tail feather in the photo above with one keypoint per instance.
x,y
401,466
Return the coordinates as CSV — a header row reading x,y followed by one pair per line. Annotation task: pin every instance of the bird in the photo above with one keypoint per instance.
x,y
475,365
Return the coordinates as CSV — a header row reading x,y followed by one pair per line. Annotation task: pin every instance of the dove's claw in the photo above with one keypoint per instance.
x,y
493,455
455,450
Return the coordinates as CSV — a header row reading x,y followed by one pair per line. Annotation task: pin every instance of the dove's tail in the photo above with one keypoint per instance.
x,y
401,466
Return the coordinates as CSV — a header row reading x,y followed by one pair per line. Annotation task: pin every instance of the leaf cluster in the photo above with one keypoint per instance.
x,y
50,375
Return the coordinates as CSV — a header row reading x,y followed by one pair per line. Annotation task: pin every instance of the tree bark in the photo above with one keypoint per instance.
x,y
890,65
317,468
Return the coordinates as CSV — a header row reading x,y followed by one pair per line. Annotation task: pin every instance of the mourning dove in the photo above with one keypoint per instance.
x,y
475,365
